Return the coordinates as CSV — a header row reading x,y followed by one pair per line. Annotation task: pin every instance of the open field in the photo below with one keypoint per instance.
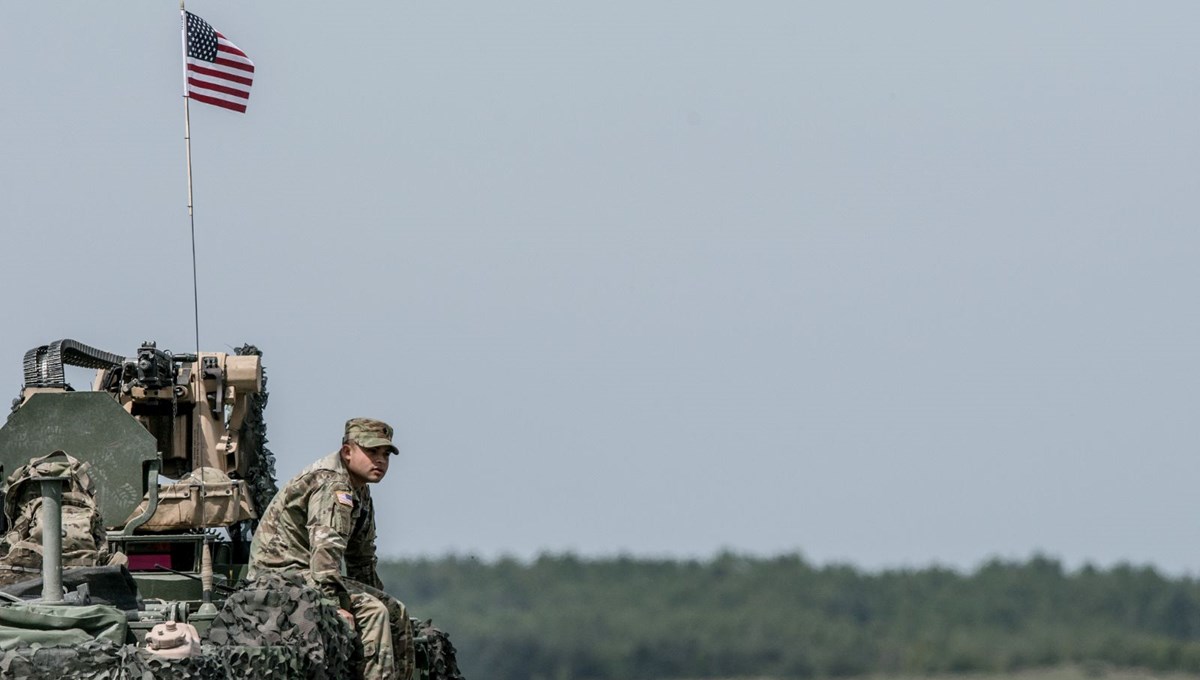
x,y
1088,672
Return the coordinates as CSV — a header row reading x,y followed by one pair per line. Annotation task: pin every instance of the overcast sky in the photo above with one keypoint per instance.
x,y
887,283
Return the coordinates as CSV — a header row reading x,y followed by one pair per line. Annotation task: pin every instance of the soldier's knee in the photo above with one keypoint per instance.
x,y
366,607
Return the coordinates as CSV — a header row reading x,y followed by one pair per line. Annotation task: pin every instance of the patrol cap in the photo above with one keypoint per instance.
x,y
369,433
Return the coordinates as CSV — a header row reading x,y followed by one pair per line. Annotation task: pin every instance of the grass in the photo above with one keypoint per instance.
x,y
1085,672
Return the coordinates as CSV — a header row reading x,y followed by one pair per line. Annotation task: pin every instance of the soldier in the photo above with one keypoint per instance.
x,y
325,515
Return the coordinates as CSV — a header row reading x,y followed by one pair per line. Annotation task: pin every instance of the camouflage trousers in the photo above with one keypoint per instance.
x,y
385,631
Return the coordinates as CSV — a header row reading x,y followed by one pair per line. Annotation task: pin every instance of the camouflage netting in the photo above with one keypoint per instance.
x,y
271,634
275,611
261,474
436,658
102,660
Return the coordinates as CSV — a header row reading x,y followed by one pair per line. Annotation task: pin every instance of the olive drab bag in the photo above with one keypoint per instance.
x,y
84,543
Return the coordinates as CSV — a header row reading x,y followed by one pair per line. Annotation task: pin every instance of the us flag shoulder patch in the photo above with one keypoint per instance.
x,y
345,498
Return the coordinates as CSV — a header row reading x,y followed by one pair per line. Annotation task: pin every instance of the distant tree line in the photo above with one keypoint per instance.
x,y
562,617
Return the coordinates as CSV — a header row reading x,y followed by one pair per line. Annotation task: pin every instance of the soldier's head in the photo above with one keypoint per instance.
x,y
366,450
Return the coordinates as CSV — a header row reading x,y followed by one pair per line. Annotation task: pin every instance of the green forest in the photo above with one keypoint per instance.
x,y
563,617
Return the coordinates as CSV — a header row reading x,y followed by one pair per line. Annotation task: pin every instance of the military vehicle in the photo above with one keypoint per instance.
x,y
129,509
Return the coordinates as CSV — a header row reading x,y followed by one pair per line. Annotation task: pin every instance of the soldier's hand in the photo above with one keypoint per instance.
x,y
348,617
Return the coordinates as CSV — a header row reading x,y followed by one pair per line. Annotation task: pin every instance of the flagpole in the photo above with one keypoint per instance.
x,y
187,140
207,606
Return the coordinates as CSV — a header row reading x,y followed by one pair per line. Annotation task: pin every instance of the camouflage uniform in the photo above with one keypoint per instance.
x,y
318,520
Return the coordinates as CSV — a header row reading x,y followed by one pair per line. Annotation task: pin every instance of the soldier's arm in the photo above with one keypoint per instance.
x,y
360,551
329,526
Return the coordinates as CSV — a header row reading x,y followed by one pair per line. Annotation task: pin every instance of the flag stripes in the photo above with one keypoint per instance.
x,y
219,73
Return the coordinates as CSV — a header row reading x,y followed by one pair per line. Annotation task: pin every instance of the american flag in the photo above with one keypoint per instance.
x,y
218,73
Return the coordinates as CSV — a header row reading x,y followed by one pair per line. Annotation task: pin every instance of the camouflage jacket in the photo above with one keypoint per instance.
x,y
315,522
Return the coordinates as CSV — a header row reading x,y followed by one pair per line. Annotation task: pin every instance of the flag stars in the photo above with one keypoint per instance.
x,y
201,39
